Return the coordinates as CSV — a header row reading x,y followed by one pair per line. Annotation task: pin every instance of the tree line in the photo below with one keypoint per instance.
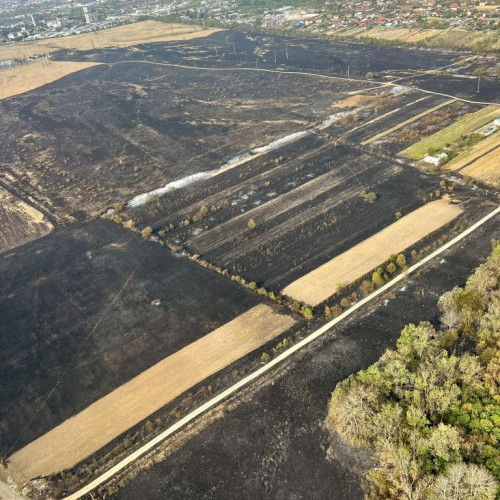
x,y
430,408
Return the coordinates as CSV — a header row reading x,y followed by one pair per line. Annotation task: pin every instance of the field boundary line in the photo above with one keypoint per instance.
x,y
274,362
406,122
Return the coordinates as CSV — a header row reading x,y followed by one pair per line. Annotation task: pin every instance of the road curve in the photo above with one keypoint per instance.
x,y
274,362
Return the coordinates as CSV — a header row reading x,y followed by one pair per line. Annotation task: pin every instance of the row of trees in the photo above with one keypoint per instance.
x,y
430,409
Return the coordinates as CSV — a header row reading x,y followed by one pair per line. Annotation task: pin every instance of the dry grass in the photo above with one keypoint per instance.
x,y
475,152
19,222
486,169
121,36
322,282
406,122
104,420
14,81
353,101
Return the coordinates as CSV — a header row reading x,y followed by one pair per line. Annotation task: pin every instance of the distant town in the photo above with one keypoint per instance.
x,y
42,19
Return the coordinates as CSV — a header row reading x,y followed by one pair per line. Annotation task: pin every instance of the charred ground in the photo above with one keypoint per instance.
x,y
78,320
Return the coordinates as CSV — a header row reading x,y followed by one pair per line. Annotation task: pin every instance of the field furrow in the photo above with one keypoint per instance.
x,y
306,216
264,213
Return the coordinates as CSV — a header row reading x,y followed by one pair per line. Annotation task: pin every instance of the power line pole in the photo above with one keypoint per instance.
x,y
478,83
275,56
286,50
234,49
348,72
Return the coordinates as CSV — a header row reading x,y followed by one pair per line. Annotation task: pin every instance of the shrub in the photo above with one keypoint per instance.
x,y
391,268
377,279
147,232
306,312
366,287
251,224
401,262
369,197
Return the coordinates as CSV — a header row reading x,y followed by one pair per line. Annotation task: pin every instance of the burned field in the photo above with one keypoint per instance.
x,y
20,221
79,319
261,158
157,112
136,126
238,49
310,204
274,445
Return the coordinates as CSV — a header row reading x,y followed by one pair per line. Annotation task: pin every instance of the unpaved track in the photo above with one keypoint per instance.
x,y
274,362
100,423
304,73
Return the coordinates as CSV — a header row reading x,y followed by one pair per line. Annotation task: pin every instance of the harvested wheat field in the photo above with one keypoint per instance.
x,y
486,168
479,149
121,36
20,79
454,38
94,427
19,222
323,282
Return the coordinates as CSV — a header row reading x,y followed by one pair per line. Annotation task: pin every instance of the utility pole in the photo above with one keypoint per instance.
x,y
234,49
348,72
286,50
478,83
216,52
275,56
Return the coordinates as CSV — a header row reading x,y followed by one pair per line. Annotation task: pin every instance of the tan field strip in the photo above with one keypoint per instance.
x,y
122,36
104,420
14,81
475,152
406,122
486,169
34,74
322,282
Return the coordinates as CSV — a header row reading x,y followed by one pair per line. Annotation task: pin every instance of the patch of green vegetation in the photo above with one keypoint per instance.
x,y
430,408
454,132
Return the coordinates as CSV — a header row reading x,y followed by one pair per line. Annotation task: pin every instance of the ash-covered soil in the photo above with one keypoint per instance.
x,y
157,112
274,445
307,203
78,320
